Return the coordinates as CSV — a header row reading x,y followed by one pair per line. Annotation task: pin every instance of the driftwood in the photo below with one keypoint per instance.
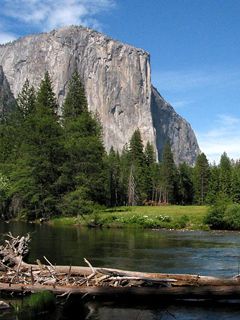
x,y
17,276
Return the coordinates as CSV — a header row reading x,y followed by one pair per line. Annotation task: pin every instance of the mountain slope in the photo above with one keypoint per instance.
x,y
117,82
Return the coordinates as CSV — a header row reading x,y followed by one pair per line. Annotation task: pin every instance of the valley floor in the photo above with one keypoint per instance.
x,y
168,217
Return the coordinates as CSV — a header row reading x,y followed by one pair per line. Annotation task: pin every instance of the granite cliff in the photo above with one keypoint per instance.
x,y
7,101
117,80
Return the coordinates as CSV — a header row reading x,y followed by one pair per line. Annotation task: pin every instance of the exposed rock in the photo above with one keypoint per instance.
x,y
172,128
7,101
116,78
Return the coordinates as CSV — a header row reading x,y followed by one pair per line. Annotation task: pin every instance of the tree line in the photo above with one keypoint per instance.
x,y
53,164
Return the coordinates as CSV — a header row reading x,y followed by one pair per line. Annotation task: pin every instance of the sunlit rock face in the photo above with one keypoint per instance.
x,y
117,80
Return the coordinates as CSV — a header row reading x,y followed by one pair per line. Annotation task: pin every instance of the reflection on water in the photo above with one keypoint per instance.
x,y
198,252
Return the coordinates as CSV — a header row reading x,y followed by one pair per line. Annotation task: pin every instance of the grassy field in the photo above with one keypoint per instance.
x,y
170,217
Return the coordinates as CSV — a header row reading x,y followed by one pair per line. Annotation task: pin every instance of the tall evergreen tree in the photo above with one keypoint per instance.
x,y
150,159
83,169
35,174
225,175
185,184
114,187
201,174
213,187
75,102
137,169
26,99
46,100
169,175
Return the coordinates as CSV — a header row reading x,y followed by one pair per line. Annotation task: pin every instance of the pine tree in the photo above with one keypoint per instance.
x,y
76,102
213,187
185,184
26,99
201,179
235,182
169,175
137,168
225,175
114,184
136,148
84,165
46,101
35,174
150,159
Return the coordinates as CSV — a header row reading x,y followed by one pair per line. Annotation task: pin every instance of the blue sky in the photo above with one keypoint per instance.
x,y
194,47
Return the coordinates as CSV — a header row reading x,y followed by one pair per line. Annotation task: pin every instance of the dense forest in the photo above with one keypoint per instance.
x,y
53,164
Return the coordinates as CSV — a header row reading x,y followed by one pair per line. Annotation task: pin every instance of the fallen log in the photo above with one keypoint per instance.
x,y
111,293
17,276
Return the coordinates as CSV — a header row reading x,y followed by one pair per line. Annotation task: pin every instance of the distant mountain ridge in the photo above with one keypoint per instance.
x,y
117,79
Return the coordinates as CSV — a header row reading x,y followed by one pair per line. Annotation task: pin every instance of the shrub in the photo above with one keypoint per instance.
x,y
183,221
231,217
215,215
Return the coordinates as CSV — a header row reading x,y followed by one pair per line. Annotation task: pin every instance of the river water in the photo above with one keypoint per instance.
x,y
196,252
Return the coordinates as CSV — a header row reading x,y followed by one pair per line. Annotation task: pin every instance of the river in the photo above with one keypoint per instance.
x,y
197,252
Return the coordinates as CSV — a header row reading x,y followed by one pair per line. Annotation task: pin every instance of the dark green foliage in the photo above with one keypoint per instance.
x,y
84,159
26,100
225,175
35,173
77,203
137,170
185,184
75,103
46,101
201,175
169,176
215,216
224,215
114,187
213,186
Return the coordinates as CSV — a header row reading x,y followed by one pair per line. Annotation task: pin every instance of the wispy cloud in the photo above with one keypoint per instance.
x,y
225,136
49,14
184,80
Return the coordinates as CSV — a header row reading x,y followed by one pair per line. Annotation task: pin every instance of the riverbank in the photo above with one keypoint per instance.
x,y
168,217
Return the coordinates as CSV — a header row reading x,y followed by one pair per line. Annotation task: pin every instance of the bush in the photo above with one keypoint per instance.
x,y
215,215
183,221
231,217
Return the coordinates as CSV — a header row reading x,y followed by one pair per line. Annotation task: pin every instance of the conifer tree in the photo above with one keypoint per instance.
x,y
150,159
26,99
46,100
75,102
185,184
137,168
213,186
201,179
169,175
35,175
114,185
225,175
83,169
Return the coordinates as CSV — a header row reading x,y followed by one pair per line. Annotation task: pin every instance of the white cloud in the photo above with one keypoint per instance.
x,y
49,14
224,137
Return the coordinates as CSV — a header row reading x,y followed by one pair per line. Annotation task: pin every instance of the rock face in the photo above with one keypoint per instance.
x,y
117,82
7,101
172,128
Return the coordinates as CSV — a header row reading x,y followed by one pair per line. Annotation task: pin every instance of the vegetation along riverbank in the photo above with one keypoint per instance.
x,y
169,217
56,166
